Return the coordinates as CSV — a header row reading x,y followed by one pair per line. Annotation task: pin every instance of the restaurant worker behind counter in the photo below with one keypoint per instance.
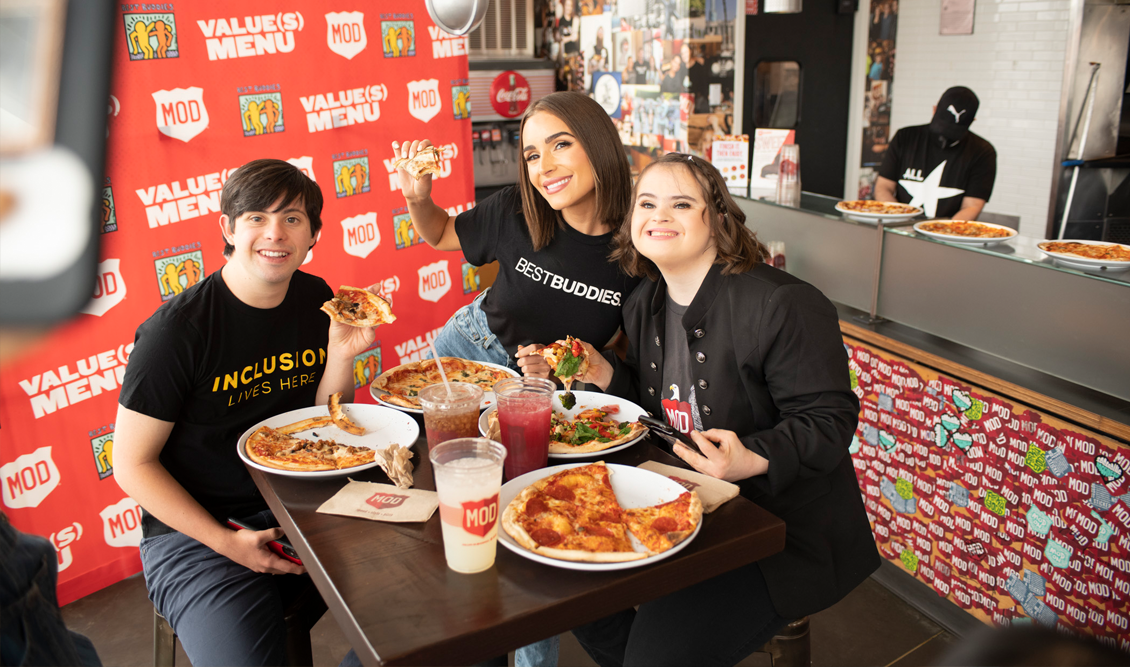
x,y
246,343
942,167
551,236
749,361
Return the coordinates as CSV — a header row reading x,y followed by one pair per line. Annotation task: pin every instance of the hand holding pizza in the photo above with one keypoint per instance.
x,y
413,188
599,371
350,340
532,363
249,549
723,456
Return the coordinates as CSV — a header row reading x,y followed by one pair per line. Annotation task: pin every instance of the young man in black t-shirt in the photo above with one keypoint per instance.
x,y
942,167
246,343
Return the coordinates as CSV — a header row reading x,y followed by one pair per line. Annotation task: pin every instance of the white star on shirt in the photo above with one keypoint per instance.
x,y
927,193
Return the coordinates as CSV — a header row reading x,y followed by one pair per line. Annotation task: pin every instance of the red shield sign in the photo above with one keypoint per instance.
x,y
479,516
384,500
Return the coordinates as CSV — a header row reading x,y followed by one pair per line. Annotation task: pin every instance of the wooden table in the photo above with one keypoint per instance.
x,y
389,588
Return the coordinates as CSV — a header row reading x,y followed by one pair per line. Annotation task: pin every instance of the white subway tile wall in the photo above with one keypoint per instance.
x,y
1014,62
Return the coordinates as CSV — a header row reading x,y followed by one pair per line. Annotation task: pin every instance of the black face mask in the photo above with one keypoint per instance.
x,y
945,143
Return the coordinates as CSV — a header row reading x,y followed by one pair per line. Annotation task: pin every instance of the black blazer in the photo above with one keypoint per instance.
x,y
772,367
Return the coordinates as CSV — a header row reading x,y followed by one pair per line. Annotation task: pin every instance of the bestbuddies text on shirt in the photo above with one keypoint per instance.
x,y
567,285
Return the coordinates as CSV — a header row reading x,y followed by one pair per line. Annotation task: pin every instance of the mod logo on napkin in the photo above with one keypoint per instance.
x,y
382,502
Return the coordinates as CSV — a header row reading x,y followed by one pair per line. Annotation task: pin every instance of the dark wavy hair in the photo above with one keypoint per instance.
x,y
257,185
737,246
589,123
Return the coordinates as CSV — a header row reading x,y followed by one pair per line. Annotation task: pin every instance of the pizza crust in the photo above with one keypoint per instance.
x,y
337,414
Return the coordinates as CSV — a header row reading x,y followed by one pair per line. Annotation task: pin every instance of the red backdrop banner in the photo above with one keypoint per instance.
x,y
201,88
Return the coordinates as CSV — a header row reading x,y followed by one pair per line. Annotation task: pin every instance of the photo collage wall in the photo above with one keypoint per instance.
x,y
880,77
663,69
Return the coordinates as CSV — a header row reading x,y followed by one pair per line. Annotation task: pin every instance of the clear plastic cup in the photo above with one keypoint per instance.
x,y
468,480
524,408
447,417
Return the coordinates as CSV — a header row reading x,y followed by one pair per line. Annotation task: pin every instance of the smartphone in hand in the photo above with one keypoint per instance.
x,y
669,433
281,546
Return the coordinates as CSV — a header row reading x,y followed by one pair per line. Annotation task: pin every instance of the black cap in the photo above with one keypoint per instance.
x,y
956,109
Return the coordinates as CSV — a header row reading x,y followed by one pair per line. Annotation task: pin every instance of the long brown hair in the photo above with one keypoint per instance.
x,y
737,246
589,123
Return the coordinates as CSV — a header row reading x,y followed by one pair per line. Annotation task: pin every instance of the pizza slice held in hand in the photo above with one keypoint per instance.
x,y
568,361
425,161
358,308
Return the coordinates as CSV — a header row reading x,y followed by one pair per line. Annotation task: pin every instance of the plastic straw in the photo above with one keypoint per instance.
x,y
442,374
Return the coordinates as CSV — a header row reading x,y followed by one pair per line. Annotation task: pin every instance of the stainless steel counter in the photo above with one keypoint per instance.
x,y
1005,300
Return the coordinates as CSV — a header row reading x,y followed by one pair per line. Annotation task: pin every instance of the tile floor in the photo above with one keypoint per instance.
x,y
871,627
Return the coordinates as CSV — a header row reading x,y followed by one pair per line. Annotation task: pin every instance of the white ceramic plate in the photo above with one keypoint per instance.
x,y
629,412
634,487
971,240
488,396
1085,263
877,217
383,427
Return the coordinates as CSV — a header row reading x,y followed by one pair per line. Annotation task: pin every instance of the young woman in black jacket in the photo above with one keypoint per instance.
x,y
749,361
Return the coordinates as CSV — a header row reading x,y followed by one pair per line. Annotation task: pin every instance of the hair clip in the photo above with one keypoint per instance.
x,y
690,158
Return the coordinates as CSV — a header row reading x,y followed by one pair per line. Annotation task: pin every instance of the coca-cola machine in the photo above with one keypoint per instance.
x,y
501,91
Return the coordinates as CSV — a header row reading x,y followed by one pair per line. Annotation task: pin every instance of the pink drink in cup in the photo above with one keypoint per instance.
x,y
524,408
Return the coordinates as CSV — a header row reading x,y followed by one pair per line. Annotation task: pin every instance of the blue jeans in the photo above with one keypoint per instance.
x,y
468,336
222,612
31,629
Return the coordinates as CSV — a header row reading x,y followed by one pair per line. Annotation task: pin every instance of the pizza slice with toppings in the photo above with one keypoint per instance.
x,y
571,515
663,526
271,448
568,361
358,308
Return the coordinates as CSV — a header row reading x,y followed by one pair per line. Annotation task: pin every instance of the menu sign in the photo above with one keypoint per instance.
x,y
730,155
766,165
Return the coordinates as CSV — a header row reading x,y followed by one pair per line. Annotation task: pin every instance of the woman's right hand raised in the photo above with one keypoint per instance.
x,y
412,189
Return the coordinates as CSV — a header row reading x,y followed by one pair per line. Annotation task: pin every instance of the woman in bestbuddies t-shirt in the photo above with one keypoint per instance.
x,y
551,235
749,361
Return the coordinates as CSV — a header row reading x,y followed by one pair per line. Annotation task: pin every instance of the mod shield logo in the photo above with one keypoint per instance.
x,y
405,231
399,38
366,367
351,176
261,113
176,273
103,449
29,479
181,113
345,33
385,500
423,99
360,235
305,164
109,288
109,214
480,516
121,523
461,101
150,36
470,278
434,281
